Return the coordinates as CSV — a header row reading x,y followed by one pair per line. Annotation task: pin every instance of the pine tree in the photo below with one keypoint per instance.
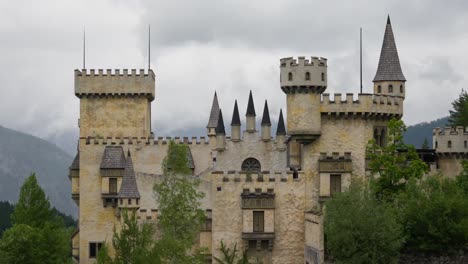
x,y
459,114
425,144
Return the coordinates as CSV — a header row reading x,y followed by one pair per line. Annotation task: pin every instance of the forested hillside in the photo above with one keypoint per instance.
x,y
416,134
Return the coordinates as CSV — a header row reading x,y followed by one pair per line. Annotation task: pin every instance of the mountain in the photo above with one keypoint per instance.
x,y
21,154
416,134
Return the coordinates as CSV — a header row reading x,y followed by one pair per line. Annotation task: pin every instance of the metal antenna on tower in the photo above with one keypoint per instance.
x,y
360,55
149,46
84,48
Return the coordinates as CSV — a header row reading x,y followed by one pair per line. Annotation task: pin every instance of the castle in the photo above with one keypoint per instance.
x,y
264,193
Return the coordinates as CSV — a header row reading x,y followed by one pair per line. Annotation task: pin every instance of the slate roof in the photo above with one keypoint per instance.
x,y
250,106
76,162
389,68
213,121
235,116
129,188
220,126
113,158
281,130
266,115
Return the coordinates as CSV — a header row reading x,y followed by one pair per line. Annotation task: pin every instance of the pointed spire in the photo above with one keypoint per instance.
x,y
220,127
129,188
281,130
250,106
213,121
389,68
235,116
266,115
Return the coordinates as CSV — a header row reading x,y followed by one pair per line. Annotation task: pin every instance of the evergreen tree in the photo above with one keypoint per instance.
x,y
425,144
6,209
459,114
180,217
395,164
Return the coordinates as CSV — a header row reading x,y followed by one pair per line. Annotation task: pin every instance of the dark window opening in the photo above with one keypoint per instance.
x,y
379,89
466,144
258,221
307,76
390,88
449,144
129,201
94,249
401,89
290,77
436,144
113,185
251,165
335,184
323,77
218,189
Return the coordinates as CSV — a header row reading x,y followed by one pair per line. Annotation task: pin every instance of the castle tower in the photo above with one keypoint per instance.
x,y
389,79
235,124
266,123
115,104
213,121
303,81
220,133
250,115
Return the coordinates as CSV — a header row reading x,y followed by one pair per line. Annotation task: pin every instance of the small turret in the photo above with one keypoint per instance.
x,y
213,121
250,115
266,123
129,196
389,79
235,124
281,132
220,133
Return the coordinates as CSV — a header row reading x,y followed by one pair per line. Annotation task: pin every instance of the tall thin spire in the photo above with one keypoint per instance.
x,y
220,126
266,115
84,48
281,130
389,68
235,116
250,106
213,121
149,46
129,188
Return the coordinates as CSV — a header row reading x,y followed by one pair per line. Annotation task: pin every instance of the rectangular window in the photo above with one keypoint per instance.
x,y
113,185
94,248
335,184
258,221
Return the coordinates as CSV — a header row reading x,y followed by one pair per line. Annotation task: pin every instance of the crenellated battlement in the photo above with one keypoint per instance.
x,y
301,72
143,140
114,82
264,176
366,104
450,139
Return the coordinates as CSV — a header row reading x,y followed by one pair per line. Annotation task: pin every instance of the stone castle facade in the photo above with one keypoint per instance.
x,y
264,193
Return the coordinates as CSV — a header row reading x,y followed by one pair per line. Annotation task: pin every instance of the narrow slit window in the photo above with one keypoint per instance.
x,y
290,76
307,76
390,88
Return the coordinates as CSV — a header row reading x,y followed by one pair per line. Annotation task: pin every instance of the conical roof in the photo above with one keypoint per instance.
x,y
129,188
250,106
76,162
235,116
220,126
266,115
213,121
281,130
389,68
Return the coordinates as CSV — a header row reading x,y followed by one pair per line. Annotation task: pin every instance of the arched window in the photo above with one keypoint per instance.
x,y
379,89
390,88
449,144
307,76
401,89
290,76
251,165
323,76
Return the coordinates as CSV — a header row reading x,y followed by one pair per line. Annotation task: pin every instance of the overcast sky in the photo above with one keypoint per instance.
x,y
228,46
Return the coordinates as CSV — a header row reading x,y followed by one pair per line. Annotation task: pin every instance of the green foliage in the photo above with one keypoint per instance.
x,y
6,209
176,160
38,234
425,144
134,243
232,256
394,164
33,207
459,114
462,179
179,201
361,229
434,214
